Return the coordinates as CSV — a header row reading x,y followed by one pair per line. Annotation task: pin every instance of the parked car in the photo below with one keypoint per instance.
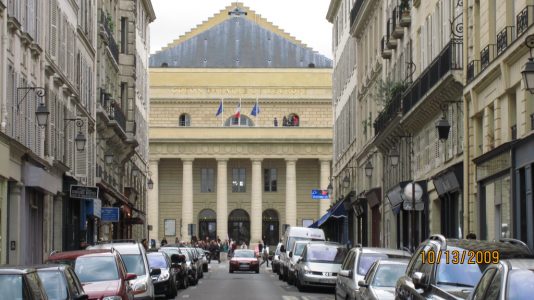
x,y
196,264
21,283
60,282
319,264
276,259
292,235
203,259
102,273
194,269
509,279
134,256
244,260
380,280
294,256
164,283
457,272
356,264
179,263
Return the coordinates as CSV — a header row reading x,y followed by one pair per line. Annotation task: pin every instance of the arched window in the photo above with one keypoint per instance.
x,y
164,65
185,120
243,121
293,120
207,224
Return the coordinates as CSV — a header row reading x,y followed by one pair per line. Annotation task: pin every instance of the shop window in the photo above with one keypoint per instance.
x,y
185,120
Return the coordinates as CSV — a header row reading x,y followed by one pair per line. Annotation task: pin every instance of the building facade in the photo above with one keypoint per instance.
x,y
242,176
499,121
51,54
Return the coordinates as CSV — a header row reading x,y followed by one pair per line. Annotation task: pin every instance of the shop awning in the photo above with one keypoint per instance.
x,y
338,211
114,194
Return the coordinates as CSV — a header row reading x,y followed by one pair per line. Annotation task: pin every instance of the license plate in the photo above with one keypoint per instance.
x,y
327,274
243,265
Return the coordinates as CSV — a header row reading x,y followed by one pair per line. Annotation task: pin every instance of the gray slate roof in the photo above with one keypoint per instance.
x,y
238,43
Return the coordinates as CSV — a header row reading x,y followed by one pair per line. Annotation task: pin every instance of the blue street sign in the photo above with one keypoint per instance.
x,y
320,194
110,214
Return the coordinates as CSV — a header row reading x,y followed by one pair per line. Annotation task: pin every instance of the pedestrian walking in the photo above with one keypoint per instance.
x,y
163,242
260,249
284,121
275,121
265,256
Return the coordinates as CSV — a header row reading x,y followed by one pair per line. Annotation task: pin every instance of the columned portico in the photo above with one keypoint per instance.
x,y
153,202
222,198
324,205
187,197
256,201
291,191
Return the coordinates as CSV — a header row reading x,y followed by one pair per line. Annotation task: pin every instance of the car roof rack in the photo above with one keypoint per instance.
x,y
439,238
516,242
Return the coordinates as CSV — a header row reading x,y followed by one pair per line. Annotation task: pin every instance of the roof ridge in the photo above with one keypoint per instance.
x,y
251,15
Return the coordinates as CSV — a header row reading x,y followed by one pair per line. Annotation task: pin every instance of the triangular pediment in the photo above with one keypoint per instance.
x,y
238,37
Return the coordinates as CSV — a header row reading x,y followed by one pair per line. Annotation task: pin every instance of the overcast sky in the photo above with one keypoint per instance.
x,y
303,19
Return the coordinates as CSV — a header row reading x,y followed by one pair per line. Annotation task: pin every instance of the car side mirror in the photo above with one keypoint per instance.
x,y
299,260
283,249
82,297
155,272
290,254
418,279
362,283
131,276
346,273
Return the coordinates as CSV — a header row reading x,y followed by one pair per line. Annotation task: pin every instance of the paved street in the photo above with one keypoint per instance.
x,y
219,284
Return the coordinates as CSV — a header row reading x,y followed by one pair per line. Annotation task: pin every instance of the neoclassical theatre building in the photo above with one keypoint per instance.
x,y
241,176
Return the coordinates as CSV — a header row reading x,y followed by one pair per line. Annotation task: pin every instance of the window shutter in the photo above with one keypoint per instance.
x,y
52,126
52,6
82,156
70,140
38,8
91,159
60,130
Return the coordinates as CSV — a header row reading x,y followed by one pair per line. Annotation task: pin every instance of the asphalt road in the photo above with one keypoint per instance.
x,y
218,284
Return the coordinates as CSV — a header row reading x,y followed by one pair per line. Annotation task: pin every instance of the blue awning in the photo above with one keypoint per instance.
x,y
338,211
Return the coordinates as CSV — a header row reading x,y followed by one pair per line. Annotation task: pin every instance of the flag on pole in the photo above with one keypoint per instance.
x,y
256,109
220,110
237,114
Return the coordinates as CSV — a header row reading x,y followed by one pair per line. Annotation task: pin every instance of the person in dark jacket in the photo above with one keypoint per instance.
x,y
163,242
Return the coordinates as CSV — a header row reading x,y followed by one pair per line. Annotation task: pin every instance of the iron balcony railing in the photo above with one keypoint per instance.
x,y
504,38
524,19
514,132
118,116
472,69
112,44
450,58
392,109
487,55
355,10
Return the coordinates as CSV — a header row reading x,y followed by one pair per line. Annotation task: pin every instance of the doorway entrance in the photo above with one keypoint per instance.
x,y
270,227
239,226
207,224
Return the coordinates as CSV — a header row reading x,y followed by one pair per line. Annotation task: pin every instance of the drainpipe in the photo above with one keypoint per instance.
x,y
3,72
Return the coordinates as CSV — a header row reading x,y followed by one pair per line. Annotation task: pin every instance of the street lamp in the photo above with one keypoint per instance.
x,y
135,171
80,138
346,181
330,188
108,157
528,69
41,113
150,183
394,155
369,168
443,128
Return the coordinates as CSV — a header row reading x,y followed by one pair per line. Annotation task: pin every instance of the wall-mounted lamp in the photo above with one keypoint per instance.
x,y
80,140
42,111
528,69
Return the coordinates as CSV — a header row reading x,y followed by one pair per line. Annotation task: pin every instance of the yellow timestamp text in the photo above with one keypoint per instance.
x,y
460,257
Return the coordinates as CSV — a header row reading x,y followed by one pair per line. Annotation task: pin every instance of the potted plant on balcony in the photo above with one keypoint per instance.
x,y
405,18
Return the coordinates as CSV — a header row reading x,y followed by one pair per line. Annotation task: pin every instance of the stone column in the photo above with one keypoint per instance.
x,y
324,205
222,198
291,191
187,197
153,203
256,202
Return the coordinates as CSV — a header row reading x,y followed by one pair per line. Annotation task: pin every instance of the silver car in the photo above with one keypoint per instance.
x,y
294,256
319,264
276,259
355,266
379,283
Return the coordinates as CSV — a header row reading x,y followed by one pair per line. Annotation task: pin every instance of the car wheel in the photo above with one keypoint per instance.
x,y
286,275
257,270
205,268
299,285
231,271
280,276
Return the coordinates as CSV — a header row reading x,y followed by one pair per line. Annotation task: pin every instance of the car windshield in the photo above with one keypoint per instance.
x,y
366,260
291,241
96,268
326,254
299,248
387,275
134,264
463,274
54,284
11,286
244,253
157,261
520,284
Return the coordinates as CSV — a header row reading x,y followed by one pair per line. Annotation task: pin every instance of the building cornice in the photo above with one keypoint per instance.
x,y
150,10
332,10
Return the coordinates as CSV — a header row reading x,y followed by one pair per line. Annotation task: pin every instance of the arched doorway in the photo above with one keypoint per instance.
x,y
207,224
270,227
239,226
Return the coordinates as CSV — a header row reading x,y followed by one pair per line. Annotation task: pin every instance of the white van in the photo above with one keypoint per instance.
x,y
292,235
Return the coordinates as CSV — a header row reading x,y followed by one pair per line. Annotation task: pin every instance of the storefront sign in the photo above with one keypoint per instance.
x,y
83,192
320,194
110,214
94,207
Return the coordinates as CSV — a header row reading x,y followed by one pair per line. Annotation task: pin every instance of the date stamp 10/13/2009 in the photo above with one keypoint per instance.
x,y
460,257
